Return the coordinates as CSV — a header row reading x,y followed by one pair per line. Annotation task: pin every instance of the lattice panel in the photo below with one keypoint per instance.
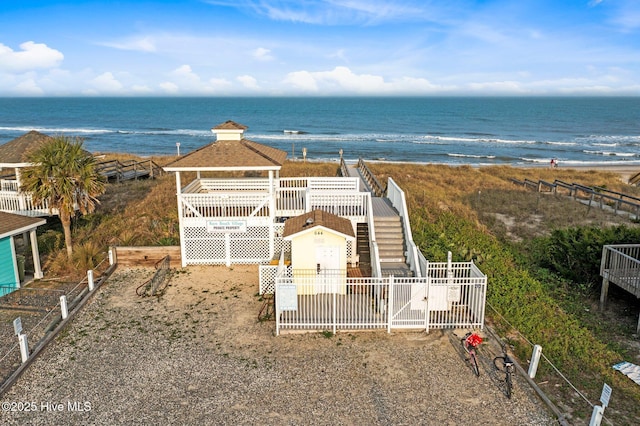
x,y
350,249
204,247
268,278
251,246
279,243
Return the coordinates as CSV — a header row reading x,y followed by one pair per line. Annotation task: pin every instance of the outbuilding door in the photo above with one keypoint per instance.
x,y
327,269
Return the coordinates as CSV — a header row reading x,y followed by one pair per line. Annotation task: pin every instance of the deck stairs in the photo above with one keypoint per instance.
x,y
388,229
389,234
390,239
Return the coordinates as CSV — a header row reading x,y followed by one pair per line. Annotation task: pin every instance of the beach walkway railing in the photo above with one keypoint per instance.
x,y
116,170
605,199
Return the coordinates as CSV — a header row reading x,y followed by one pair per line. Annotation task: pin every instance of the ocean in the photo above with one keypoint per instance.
x,y
449,130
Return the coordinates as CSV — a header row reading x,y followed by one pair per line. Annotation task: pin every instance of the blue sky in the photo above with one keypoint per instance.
x,y
314,47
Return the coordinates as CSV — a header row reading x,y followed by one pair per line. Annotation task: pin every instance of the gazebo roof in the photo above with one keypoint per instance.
x,y
14,224
14,153
317,218
229,154
230,125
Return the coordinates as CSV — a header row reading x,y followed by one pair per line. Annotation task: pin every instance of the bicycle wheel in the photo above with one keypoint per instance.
x,y
509,382
474,364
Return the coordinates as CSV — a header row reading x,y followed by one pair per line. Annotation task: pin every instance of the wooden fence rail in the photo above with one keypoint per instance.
x,y
602,197
116,170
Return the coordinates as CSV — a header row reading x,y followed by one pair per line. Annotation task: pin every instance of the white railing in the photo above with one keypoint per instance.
x,y
22,203
398,200
376,270
290,201
334,184
352,205
621,265
293,196
9,185
306,300
214,185
225,205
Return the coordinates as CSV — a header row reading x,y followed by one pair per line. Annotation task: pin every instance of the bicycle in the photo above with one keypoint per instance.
x,y
505,365
470,342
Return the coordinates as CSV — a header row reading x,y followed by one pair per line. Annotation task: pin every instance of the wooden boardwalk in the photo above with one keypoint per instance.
x,y
608,200
120,171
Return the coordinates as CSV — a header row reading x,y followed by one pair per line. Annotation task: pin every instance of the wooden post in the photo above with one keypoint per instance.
x,y
603,294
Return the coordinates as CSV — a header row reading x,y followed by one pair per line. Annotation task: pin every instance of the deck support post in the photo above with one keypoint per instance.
x,y
603,294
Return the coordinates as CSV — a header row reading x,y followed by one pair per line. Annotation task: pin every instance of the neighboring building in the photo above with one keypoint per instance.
x,y
12,225
13,158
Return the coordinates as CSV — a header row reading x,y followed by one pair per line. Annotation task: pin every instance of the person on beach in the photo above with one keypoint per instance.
x,y
553,163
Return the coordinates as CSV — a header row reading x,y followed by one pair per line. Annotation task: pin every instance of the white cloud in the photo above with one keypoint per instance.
x,y
170,87
341,80
302,80
498,87
32,56
138,44
221,83
335,12
248,81
262,54
141,89
106,83
28,87
185,73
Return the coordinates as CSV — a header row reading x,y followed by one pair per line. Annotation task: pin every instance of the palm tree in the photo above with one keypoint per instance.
x,y
64,175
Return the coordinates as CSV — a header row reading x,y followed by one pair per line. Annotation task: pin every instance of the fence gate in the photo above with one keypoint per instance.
x,y
407,302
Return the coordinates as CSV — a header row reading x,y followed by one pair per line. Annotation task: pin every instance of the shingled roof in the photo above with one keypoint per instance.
x,y
230,125
317,218
17,150
241,154
13,224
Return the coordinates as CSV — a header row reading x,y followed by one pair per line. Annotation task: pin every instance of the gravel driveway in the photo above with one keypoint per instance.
x,y
198,355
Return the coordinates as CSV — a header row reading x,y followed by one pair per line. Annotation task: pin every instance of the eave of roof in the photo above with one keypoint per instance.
x,y
14,153
230,155
317,219
14,224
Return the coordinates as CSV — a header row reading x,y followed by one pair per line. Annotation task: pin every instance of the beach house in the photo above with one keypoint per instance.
x,y
13,158
12,272
335,251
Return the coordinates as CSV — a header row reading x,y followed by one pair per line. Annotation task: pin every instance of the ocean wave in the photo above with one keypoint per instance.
x,y
611,139
475,140
81,130
490,157
54,130
561,143
535,160
611,153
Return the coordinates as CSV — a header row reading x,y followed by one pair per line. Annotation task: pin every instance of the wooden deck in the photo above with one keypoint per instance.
x,y
620,266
